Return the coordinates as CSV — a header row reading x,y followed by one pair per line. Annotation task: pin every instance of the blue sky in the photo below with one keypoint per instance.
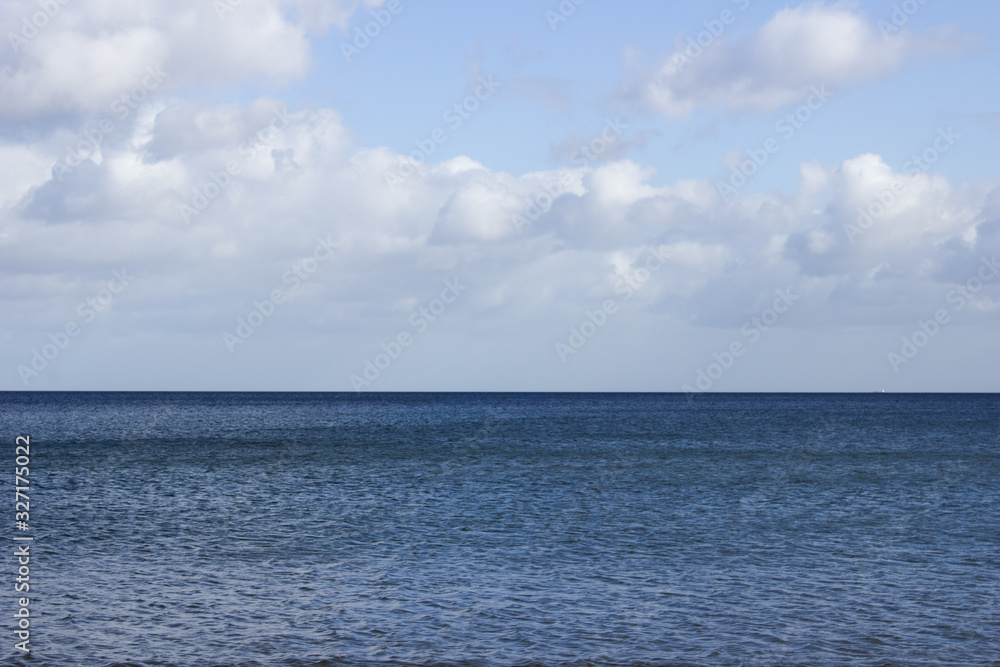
x,y
393,93
541,238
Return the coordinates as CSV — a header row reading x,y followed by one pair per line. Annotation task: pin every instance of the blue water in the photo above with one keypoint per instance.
x,y
509,529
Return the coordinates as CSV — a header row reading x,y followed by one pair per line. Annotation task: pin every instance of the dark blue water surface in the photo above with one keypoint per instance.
x,y
508,529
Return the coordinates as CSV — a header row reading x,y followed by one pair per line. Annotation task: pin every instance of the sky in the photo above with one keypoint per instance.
x,y
412,195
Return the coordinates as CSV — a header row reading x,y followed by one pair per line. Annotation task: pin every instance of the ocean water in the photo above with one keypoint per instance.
x,y
508,529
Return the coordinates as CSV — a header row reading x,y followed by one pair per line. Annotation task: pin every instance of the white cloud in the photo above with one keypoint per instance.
x,y
88,54
914,228
800,46
456,217
161,196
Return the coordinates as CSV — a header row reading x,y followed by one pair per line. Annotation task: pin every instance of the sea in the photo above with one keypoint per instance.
x,y
504,529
